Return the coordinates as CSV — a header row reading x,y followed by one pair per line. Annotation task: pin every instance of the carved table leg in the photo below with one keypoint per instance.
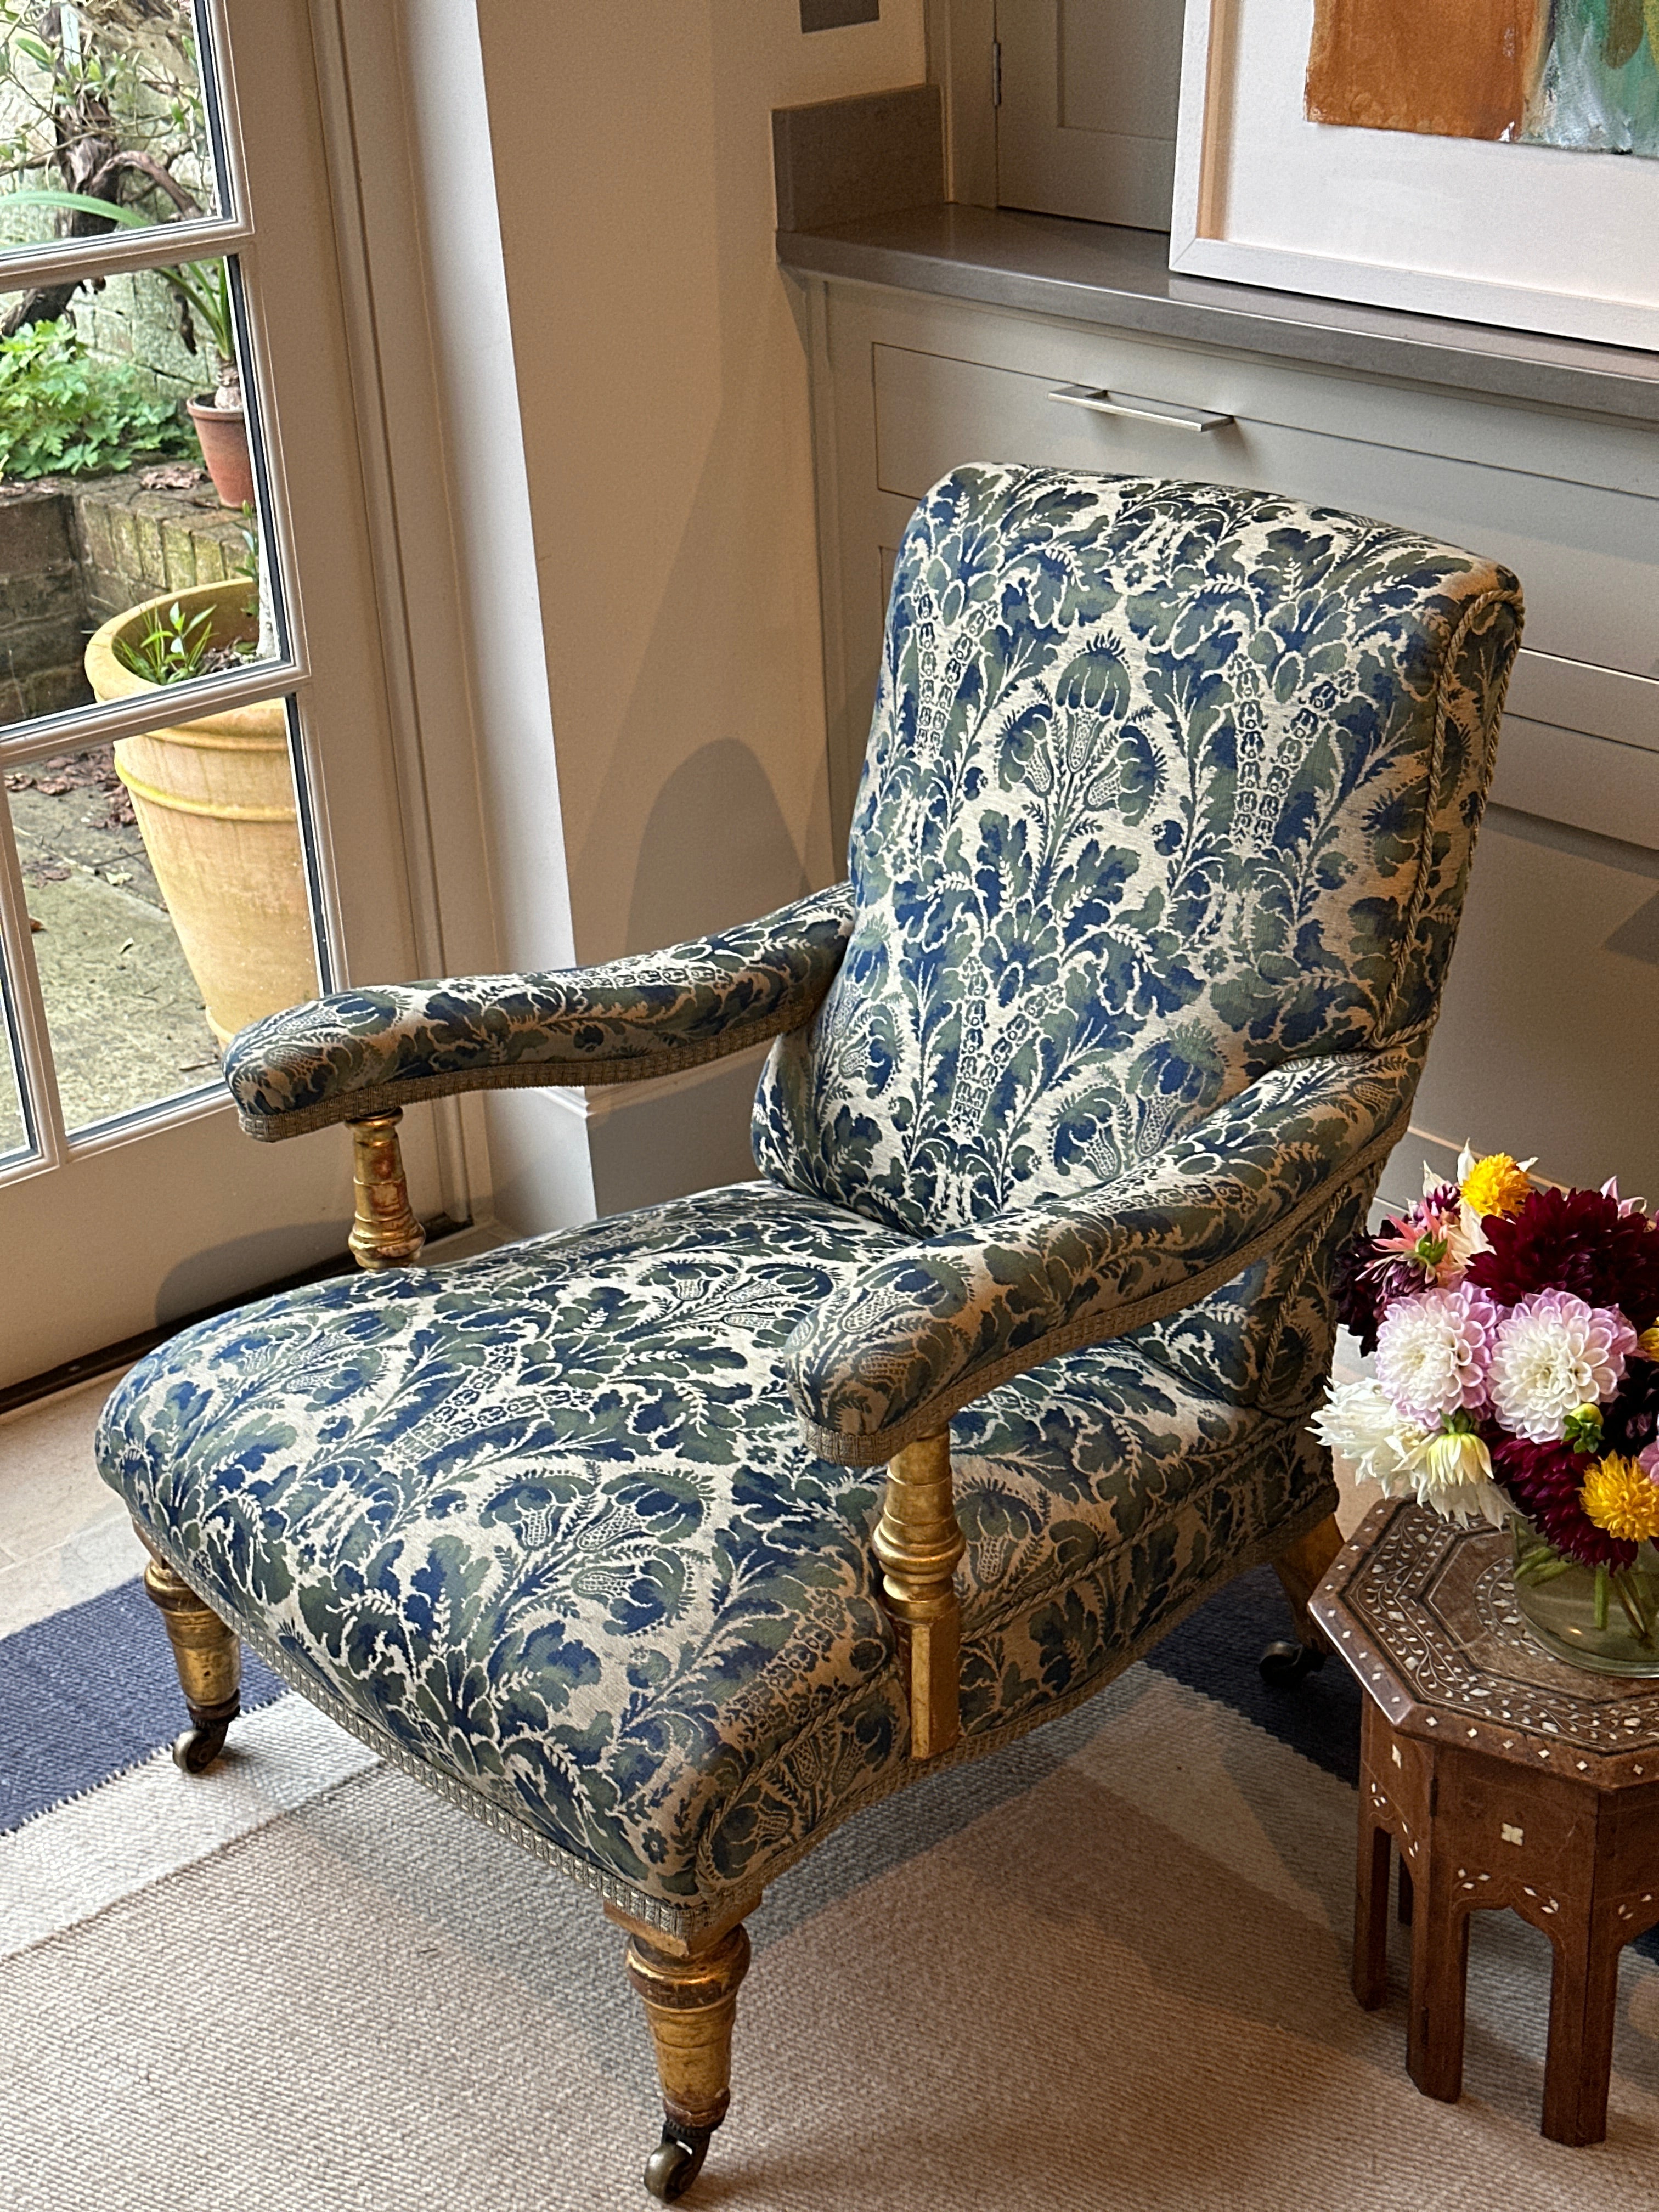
x,y
1301,1568
1583,2005
1370,1903
691,2004
1440,1973
208,1658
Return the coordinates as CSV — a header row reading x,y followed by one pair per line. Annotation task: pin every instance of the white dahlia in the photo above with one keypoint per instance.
x,y
1360,1422
1453,1473
1433,1352
1553,1354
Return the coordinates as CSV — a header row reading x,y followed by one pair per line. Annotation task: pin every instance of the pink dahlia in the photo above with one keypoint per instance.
x,y
1554,1353
1433,1351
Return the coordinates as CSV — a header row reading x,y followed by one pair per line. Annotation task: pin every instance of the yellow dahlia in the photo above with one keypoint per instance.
x,y
1497,1185
1621,1498
1649,1342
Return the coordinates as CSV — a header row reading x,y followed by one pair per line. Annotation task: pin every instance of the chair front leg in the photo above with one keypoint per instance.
x,y
917,1542
386,1232
209,1659
691,2003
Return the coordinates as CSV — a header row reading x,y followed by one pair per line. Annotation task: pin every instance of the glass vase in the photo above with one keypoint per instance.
x,y
1605,1619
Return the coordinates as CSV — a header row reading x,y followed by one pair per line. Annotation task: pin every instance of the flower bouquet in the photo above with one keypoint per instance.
x,y
1517,1381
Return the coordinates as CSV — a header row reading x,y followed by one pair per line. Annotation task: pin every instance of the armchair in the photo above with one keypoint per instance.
x,y
663,1543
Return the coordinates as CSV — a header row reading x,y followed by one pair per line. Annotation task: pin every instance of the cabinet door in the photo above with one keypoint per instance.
x,y
1086,122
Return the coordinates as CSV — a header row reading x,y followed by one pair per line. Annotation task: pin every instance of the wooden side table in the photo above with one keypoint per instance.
x,y
1503,1777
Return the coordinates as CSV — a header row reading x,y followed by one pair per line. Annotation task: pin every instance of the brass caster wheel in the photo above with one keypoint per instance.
x,y
1283,1665
676,2162
199,1747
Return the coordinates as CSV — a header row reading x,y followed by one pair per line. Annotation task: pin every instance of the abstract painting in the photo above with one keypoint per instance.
x,y
1578,73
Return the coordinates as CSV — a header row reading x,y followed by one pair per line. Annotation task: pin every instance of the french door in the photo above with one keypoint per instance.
x,y
199,819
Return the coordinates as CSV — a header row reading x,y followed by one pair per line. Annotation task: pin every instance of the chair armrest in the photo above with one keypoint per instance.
x,y
894,1353
362,1053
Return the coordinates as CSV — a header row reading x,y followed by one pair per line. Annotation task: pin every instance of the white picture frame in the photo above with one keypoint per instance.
x,y
1533,238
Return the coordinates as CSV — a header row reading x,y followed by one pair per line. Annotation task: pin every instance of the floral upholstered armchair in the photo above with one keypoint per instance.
x,y
663,1543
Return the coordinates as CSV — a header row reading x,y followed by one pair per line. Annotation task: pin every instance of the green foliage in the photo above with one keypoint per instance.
x,y
172,649
61,413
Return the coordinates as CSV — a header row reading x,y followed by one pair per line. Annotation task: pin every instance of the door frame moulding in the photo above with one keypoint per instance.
x,y
439,582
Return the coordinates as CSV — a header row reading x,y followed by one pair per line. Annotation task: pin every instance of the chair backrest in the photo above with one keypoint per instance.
x,y
1166,783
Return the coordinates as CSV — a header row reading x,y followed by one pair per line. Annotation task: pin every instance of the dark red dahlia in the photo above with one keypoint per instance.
x,y
1629,1421
1359,1297
1577,1241
1545,1480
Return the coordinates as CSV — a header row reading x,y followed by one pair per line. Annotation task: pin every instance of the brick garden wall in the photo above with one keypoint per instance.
x,y
75,550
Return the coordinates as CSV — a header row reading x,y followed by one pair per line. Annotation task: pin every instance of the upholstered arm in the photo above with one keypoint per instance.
x,y
360,1053
890,1356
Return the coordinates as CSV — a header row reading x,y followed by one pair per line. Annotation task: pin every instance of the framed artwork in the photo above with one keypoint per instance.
x,y
1494,160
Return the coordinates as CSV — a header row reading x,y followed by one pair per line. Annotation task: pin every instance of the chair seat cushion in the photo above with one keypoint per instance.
x,y
542,1527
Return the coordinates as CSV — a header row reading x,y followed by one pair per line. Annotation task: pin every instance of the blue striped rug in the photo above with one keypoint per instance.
x,y
88,1694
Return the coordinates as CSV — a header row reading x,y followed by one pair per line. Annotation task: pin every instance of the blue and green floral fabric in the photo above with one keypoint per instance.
x,y
362,1052
1158,858
908,1343
542,1526
1167,783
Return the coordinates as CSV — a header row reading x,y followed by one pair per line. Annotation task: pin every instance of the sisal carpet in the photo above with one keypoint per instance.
x,y
1107,1969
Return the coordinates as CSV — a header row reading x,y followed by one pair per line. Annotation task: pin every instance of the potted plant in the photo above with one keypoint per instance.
x,y
216,807
204,286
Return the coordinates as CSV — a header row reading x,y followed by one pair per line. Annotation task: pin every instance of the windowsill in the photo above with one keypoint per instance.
x,y
1097,273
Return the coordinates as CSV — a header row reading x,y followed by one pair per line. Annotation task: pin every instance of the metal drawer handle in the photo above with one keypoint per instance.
x,y
1166,412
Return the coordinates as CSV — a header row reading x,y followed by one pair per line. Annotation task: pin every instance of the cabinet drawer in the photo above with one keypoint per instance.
x,y
1588,556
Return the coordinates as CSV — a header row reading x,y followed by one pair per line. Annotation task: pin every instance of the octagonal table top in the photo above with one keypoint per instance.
x,y
1425,1614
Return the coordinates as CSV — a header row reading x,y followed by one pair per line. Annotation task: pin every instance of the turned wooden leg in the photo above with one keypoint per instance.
x,y
1301,1568
208,1658
1583,2006
918,1544
386,1233
691,2005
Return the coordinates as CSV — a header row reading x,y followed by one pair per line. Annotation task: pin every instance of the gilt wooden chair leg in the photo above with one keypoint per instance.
x,y
386,1232
691,2004
918,1543
1301,1568
208,1658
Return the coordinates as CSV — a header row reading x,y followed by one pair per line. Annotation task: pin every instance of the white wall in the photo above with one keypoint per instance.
x,y
662,387
662,384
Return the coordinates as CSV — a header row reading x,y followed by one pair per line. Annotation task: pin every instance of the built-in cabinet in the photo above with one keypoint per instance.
x,y
1549,1041
1084,100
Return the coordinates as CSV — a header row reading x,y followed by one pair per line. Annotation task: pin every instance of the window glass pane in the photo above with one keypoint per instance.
x,y
166,876
109,426
13,1137
100,101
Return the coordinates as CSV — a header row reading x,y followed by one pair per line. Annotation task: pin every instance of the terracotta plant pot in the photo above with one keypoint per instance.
x,y
222,433
215,808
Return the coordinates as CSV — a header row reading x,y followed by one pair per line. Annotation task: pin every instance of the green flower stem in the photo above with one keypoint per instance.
x,y
1602,1584
1631,1594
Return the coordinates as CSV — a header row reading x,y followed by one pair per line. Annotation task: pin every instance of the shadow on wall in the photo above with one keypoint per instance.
x,y
715,843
